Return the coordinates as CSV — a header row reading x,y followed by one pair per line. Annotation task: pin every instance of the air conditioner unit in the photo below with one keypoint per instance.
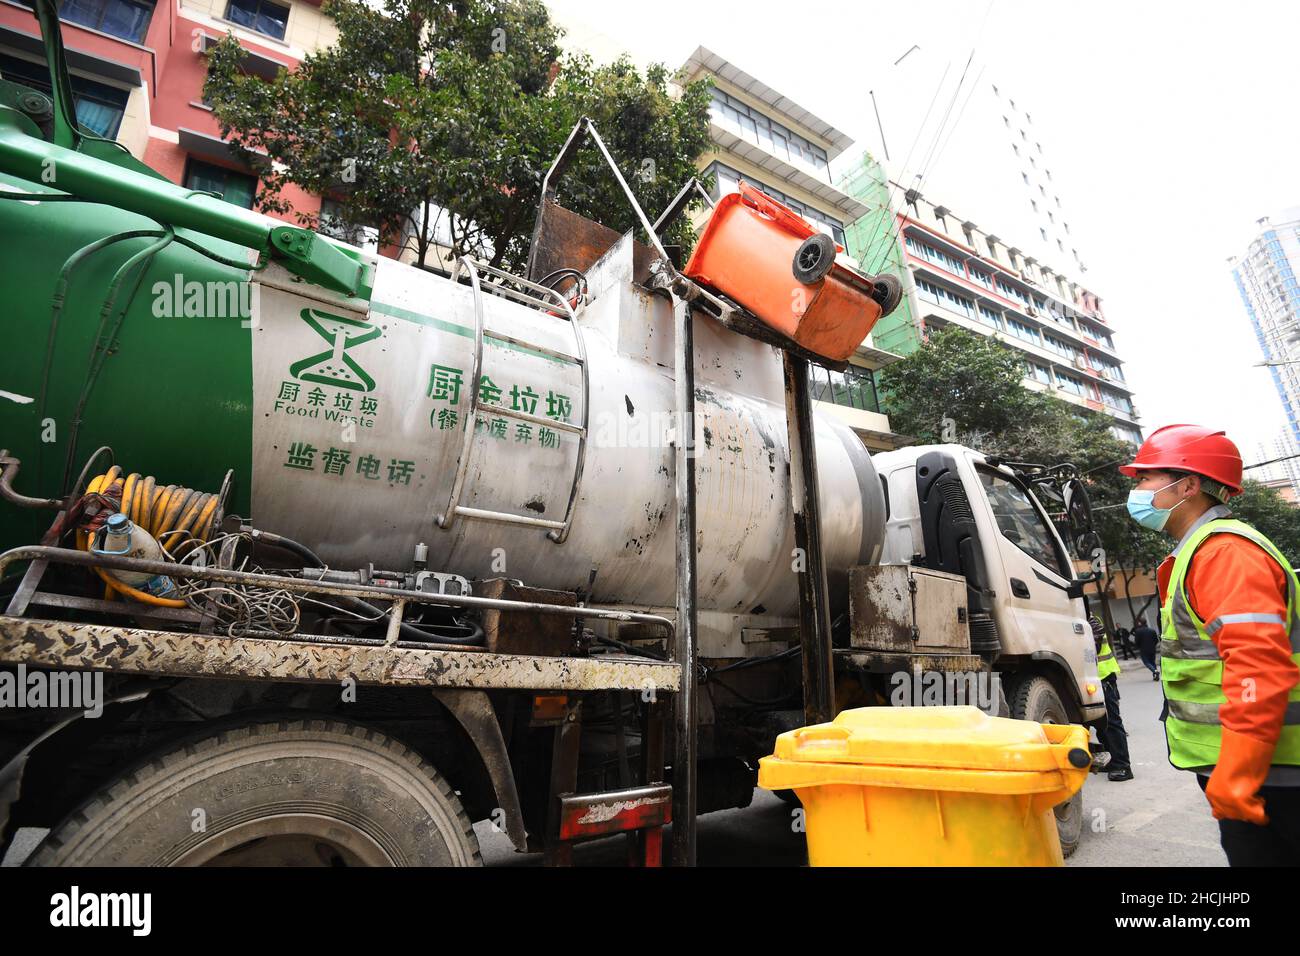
x,y
1081,362
1030,310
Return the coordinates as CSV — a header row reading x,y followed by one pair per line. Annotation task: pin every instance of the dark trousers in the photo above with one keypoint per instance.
x,y
1277,844
1114,738
1147,651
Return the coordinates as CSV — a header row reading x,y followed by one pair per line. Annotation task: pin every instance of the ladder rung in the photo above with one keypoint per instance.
x,y
545,350
534,419
505,516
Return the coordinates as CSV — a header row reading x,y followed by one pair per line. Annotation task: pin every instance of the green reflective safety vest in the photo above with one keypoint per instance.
x,y
1192,671
1106,663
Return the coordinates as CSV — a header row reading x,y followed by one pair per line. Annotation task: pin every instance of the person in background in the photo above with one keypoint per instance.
x,y
1147,639
1125,639
1114,738
1229,644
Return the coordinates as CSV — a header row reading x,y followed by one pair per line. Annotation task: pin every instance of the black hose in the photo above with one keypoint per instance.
x,y
410,631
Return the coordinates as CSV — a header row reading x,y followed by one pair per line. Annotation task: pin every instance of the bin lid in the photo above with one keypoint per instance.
x,y
962,738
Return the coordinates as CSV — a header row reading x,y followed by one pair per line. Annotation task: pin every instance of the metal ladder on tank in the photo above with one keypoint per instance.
x,y
536,297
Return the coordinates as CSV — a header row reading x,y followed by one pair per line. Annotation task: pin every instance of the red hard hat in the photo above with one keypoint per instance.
x,y
1189,448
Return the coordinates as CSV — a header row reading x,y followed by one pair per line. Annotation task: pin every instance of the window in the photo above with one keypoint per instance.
x,y
1039,373
1020,522
943,297
980,277
1010,291
1042,232
124,19
99,107
931,254
261,16
1069,383
237,188
855,387
1022,331
752,125
333,223
990,317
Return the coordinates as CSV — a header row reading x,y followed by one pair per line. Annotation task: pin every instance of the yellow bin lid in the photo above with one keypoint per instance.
x,y
959,748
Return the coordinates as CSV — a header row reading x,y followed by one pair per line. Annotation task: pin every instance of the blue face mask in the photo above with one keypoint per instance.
x,y
1142,509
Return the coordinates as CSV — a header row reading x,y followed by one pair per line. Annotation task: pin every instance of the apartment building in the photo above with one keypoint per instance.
x,y
138,67
761,136
1266,279
955,272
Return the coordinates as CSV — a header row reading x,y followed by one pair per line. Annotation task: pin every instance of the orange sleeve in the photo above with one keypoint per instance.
x,y
1239,591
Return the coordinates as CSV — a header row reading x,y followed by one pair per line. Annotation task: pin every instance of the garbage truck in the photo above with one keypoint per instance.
x,y
422,551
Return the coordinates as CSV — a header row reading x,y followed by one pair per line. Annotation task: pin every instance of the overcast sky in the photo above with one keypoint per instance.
x,y
1171,128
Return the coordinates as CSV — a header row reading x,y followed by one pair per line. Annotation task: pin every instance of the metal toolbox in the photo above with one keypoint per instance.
x,y
900,608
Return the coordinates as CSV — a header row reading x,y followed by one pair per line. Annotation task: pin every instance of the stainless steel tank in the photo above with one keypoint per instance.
x,y
359,440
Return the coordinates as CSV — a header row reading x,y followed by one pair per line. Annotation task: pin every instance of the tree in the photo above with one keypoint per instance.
x,y
975,384
1262,507
971,381
431,105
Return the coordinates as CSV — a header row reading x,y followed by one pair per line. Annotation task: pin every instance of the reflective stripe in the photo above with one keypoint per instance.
x,y
1213,626
1193,650
1105,657
1192,669
1209,713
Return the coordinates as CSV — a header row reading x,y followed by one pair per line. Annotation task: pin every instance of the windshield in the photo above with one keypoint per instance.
x,y
1021,522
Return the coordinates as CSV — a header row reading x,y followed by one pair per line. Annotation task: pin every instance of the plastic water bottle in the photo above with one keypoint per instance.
x,y
122,538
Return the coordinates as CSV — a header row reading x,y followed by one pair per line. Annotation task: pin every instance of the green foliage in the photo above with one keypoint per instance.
x,y
459,104
1262,507
971,379
977,383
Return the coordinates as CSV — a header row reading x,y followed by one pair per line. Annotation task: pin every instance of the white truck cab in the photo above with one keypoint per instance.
x,y
1009,550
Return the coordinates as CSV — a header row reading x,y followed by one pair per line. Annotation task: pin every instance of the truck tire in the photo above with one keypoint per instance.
x,y
293,792
1036,699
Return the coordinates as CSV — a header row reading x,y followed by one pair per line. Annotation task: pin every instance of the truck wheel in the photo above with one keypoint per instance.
x,y
293,792
1036,699
814,258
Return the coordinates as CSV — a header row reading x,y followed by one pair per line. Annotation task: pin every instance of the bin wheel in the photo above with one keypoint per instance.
x,y
814,258
1037,700
888,292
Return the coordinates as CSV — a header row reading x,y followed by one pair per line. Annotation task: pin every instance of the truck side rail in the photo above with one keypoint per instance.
x,y
311,658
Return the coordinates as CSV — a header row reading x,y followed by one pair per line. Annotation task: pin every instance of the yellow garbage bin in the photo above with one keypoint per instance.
x,y
929,786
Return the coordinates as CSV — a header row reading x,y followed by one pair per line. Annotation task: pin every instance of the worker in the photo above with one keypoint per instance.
x,y
1147,641
1228,648
1113,737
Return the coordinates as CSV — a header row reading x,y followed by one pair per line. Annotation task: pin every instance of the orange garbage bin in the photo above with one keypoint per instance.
x,y
768,259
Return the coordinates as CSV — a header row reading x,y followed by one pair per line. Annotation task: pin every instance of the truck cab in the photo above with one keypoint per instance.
x,y
1013,558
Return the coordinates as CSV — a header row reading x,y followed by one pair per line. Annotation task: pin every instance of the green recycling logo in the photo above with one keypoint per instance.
x,y
334,366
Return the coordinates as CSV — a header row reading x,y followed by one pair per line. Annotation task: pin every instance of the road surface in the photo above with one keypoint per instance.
x,y
1160,818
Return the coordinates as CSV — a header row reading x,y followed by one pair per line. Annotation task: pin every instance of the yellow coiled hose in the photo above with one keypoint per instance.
x,y
170,513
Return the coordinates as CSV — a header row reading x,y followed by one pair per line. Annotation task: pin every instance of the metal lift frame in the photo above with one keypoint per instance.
x,y
814,604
